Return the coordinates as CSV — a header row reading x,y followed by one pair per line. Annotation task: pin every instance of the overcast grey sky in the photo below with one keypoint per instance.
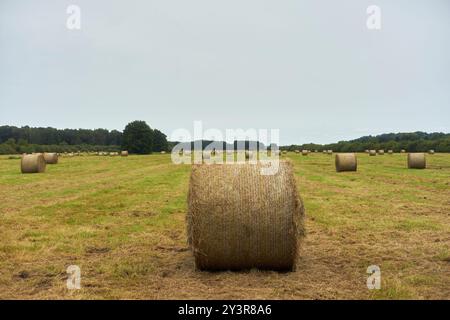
x,y
310,68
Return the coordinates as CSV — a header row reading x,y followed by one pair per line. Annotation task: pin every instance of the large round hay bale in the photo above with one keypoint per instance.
x,y
330,152
416,161
51,158
431,151
297,151
124,153
372,153
402,151
241,219
345,162
381,152
305,152
390,152
32,163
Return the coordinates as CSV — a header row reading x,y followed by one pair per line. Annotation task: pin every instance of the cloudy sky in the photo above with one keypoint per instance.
x,y
309,68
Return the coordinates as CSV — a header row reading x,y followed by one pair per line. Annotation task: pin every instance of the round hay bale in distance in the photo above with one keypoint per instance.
x,y
305,152
239,219
32,163
345,162
51,158
381,152
390,152
431,151
124,153
206,155
417,161
372,153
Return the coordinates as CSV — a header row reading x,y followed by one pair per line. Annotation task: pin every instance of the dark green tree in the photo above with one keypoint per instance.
x,y
137,138
159,141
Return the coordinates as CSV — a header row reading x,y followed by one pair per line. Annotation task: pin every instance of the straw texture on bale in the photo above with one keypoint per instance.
x,y
345,162
304,152
372,153
32,163
239,219
51,158
124,153
381,152
416,161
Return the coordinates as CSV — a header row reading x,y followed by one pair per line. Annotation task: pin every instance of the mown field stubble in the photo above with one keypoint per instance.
x,y
122,220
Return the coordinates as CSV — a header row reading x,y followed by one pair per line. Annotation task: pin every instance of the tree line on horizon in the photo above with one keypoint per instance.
x,y
137,137
410,141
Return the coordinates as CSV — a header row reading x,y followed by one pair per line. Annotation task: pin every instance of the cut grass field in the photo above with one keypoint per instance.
x,y
122,220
